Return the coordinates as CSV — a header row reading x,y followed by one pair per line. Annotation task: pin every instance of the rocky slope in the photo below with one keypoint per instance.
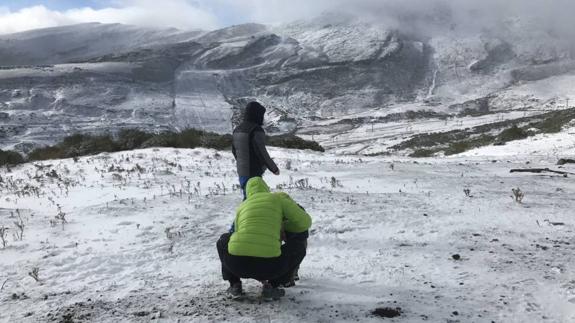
x,y
323,78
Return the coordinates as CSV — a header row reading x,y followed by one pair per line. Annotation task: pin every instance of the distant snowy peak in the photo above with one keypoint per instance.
x,y
233,33
80,42
351,41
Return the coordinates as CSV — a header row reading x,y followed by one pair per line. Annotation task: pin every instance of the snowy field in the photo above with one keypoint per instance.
x,y
130,237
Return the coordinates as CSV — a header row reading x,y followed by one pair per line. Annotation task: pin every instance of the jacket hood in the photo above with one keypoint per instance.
x,y
256,185
255,113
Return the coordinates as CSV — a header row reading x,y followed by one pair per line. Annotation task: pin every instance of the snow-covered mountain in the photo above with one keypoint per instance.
x,y
334,79
80,42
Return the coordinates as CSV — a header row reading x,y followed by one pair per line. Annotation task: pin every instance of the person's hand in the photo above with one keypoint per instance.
x,y
277,172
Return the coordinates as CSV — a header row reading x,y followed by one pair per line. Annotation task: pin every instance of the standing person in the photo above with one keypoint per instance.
x,y
249,148
254,250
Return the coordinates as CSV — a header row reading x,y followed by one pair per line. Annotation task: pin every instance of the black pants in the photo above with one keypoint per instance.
x,y
276,270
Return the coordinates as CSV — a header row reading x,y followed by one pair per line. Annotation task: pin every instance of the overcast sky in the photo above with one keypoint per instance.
x,y
20,15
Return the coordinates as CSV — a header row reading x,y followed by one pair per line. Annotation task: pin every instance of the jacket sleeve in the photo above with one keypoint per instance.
x,y
259,143
296,218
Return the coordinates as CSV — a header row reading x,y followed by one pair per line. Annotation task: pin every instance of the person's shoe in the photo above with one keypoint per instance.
x,y
272,293
235,290
295,276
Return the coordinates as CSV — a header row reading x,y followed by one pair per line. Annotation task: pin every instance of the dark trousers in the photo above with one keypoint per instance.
x,y
276,270
243,181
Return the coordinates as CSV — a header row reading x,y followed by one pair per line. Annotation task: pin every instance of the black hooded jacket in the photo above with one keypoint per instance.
x,y
248,144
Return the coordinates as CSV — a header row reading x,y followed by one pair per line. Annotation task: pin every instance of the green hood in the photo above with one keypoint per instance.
x,y
256,185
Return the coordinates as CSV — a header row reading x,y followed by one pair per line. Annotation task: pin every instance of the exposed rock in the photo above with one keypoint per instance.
x,y
564,161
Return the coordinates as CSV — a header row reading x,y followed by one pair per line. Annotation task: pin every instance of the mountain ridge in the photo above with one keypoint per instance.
x,y
311,70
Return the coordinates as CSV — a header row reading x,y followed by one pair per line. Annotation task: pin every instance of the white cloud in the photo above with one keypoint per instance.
x,y
172,13
421,15
30,18
274,11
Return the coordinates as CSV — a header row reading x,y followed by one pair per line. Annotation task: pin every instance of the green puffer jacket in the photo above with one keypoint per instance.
x,y
259,221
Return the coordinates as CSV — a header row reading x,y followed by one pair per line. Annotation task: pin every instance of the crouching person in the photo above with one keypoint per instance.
x,y
254,250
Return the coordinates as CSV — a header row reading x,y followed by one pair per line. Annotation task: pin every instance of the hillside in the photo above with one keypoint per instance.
x,y
343,82
139,239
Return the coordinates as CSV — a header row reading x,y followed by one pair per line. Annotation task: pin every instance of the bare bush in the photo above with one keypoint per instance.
x,y
302,184
335,182
34,273
518,195
19,235
171,235
3,234
59,218
3,284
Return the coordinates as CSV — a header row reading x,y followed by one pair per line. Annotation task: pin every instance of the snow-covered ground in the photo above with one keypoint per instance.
x,y
553,145
379,137
139,242
524,100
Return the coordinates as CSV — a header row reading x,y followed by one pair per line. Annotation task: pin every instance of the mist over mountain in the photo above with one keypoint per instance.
x,y
436,17
323,78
